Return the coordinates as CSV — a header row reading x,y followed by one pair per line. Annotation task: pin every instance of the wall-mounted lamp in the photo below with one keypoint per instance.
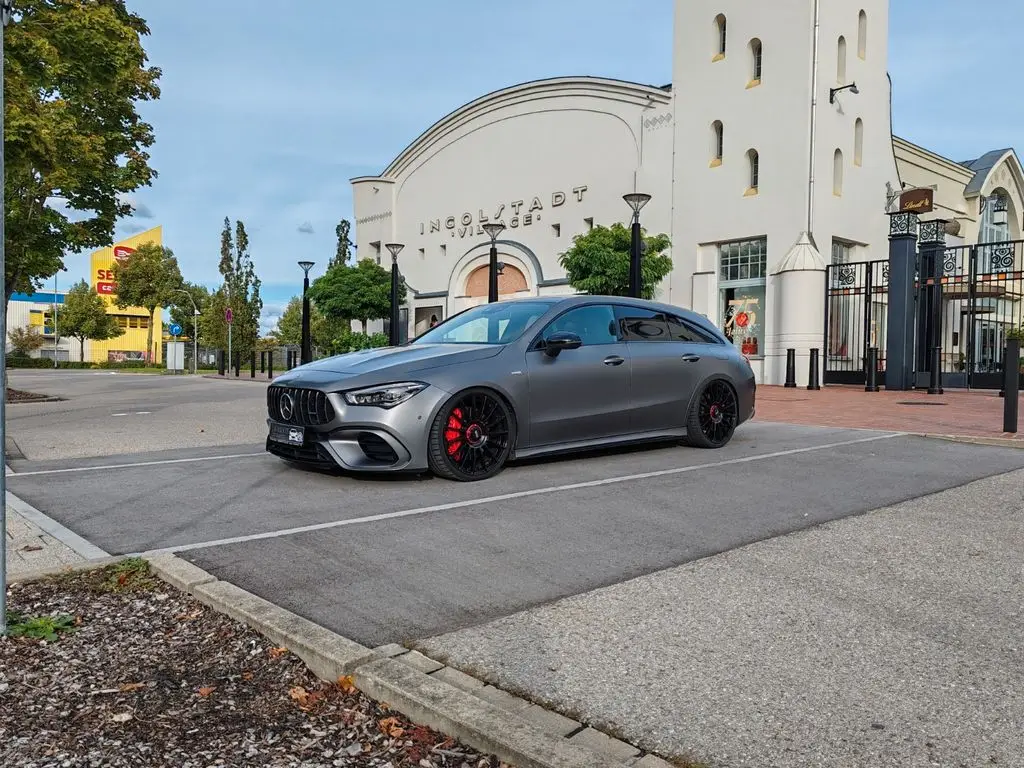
x,y
852,88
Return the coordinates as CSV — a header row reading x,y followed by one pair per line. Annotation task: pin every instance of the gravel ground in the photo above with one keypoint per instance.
x,y
146,676
21,396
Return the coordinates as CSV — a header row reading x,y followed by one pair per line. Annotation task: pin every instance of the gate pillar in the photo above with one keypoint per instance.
x,y
932,248
899,327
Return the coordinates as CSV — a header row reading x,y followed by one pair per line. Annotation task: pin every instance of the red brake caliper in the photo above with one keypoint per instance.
x,y
453,433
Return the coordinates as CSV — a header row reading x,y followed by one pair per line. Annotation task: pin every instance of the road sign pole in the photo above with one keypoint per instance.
x,y
229,316
5,15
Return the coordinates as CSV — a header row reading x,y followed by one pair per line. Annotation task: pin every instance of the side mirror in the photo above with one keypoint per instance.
x,y
556,342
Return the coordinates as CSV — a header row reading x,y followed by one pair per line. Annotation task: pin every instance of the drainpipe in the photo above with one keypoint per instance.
x,y
814,110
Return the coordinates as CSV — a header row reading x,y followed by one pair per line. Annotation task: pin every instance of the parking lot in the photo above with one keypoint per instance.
x,y
591,584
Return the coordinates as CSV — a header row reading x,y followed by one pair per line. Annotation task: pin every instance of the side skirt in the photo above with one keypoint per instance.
x,y
636,438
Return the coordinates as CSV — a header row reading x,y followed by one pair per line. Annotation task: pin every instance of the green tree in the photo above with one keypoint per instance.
x,y
240,291
74,75
344,248
359,292
182,311
147,278
598,262
289,325
25,340
84,316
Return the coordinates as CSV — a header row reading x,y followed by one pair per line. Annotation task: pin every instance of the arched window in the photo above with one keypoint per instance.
x,y
858,142
755,61
837,173
754,162
719,37
717,143
862,35
841,61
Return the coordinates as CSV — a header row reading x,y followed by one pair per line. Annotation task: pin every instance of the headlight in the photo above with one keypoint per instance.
x,y
386,395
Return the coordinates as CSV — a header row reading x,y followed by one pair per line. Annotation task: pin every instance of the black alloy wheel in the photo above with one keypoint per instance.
x,y
471,437
713,417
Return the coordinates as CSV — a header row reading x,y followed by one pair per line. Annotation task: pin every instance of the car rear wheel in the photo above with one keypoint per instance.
x,y
713,416
471,437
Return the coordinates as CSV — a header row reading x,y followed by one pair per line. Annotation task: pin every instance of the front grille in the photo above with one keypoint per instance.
x,y
309,407
311,453
376,448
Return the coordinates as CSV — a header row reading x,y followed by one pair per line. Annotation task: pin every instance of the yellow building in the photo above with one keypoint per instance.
x,y
134,321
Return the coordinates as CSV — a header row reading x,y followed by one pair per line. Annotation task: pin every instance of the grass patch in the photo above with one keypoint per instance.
x,y
47,628
129,575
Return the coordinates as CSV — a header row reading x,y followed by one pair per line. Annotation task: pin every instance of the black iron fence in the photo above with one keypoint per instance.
x,y
856,300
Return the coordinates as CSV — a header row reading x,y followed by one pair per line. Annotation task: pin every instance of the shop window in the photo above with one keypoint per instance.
x,y
754,168
858,142
717,143
841,61
755,63
842,251
837,173
741,281
862,35
133,322
718,30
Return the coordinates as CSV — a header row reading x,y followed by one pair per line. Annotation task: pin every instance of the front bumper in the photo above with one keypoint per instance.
x,y
367,438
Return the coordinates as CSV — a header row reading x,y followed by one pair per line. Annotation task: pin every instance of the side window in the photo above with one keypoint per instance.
x,y
594,324
638,324
680,330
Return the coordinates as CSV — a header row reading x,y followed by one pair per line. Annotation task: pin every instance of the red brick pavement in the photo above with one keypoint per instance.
x,y
956,412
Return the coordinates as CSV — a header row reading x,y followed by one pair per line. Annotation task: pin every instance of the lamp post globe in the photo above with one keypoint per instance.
x,y
493,230
636,201
306,346
393,335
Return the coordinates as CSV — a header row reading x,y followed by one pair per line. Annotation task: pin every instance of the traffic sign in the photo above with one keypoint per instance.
x,y
229,315
175,329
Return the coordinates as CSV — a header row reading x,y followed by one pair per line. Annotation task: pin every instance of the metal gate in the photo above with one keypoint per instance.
x,y
982,300
856,302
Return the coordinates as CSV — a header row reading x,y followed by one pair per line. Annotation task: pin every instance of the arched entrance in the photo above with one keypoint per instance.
x,y
510,280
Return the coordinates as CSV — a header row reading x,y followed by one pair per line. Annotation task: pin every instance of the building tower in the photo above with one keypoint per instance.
x,y
780,164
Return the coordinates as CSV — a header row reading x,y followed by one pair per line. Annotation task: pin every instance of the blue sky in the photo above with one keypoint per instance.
x,y
269,108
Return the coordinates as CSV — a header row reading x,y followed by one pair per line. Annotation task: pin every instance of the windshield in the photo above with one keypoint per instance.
x,y
498,323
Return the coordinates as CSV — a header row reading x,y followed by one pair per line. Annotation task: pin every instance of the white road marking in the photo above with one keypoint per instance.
x,y
140,464
509,496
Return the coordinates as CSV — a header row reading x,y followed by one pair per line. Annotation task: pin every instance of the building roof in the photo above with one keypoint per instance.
x,y
38,298
982,166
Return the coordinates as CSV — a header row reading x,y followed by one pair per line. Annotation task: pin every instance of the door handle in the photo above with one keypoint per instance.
x,y
614,360
689,357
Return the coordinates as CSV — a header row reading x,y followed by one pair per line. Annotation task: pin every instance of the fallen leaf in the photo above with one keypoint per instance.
x,y
278,652
206,690
347,684
131,687
121,717
247,675
389,726
299,694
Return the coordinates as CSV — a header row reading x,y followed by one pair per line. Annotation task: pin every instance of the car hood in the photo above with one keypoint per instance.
x,y
370,366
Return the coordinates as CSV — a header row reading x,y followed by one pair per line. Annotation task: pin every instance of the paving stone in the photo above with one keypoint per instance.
x,y
421,662
651,761
551,721
458,679
602,742
502,698
390,650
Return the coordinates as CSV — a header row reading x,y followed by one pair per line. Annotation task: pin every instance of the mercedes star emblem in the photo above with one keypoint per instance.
x,y
287,406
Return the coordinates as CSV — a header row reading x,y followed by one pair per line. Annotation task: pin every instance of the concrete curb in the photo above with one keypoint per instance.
x,y
1001,442
426,691
48,525
26,577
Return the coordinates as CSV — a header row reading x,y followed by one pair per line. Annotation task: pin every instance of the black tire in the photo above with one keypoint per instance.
x,y
713,416
471,437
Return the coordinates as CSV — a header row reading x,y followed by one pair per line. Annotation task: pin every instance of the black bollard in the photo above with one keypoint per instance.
x,y
263,362
871,370
238,364
935,379
220,362
812,371
270,365
1011,385
790,369
252,365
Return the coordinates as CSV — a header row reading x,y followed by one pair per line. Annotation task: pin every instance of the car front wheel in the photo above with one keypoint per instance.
x,y
471,437
713,416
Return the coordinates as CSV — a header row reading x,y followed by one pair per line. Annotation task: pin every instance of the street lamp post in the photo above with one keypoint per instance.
x,y
6,7
394,249
493,230
636,201
195,330
307,351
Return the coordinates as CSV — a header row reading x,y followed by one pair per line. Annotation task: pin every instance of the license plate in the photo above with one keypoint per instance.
x,y
283,433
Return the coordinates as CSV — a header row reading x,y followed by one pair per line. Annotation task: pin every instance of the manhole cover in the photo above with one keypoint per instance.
x,y
916,402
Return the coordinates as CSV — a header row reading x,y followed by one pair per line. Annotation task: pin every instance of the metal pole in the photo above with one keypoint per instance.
x,y
195,342
54,319
1011,385
492,275
307,353
634,258
790,369
394,336
5,12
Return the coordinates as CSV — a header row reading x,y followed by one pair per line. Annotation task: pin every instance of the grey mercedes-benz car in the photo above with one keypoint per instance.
x,y
515,379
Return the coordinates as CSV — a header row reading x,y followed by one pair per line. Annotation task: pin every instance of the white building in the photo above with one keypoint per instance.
x,y
36,312
759,171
